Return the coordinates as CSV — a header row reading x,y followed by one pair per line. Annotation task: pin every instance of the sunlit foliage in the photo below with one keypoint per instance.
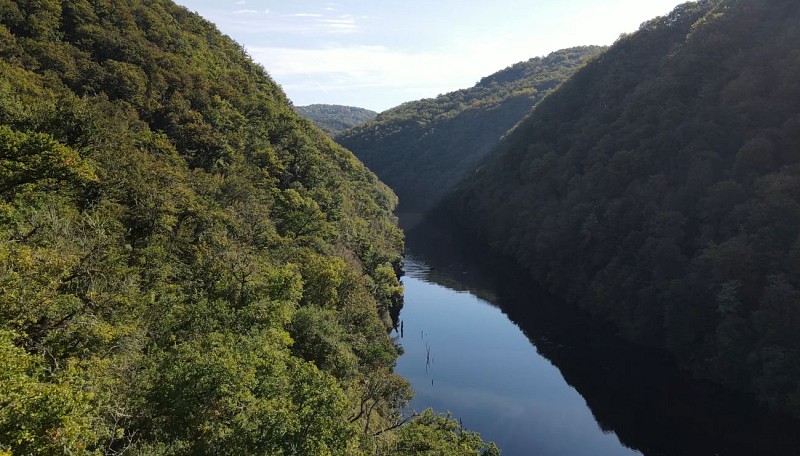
x,y
186,265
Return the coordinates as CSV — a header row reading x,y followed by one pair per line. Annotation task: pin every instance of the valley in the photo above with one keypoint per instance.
x,y
591,252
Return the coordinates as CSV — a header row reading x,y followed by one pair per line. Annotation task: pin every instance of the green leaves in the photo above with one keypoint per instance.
x,y
300,217
41,415
35,158
230,394
438,435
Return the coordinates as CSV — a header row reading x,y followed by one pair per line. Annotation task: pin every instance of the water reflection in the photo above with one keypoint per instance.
x,y
577,390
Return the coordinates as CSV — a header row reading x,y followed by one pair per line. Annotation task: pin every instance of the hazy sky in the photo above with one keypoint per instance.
x,y
377,54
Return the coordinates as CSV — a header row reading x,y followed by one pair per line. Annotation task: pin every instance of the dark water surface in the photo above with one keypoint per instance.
x,y
540,378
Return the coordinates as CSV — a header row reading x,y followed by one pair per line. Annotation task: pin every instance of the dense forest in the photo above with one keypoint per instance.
x,y
422,149
660,187
334,119
186,265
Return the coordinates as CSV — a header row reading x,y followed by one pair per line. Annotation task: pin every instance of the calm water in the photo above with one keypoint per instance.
x,y
484,370
539,378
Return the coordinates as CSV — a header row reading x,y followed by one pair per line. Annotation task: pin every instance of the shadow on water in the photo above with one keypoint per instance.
x,y
637,392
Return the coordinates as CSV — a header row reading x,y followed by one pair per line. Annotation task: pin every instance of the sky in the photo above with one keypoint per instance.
x,y
378,54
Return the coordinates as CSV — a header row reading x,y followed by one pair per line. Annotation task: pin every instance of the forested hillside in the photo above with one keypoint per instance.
x,y
422,149
334,119
186,265
660,187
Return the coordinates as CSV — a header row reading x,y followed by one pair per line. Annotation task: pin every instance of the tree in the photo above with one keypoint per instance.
x,y
36,158
431,434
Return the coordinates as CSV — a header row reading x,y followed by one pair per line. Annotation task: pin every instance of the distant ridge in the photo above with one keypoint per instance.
x,y
334,119
423,148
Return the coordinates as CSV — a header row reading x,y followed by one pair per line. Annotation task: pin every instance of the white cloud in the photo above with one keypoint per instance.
x,y
379,77
378,66
365,58
345,24
251,21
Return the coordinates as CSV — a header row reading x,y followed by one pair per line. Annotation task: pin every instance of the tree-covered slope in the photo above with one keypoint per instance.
x,y
660,187
422,149
334,119
186,265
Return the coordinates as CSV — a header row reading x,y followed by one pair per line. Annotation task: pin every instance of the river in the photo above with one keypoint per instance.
x,y
542,379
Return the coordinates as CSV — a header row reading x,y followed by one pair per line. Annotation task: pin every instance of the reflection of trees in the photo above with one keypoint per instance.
x,y
639,393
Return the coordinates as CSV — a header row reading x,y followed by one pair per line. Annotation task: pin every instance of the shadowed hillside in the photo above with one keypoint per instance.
x,y
421,149
660,187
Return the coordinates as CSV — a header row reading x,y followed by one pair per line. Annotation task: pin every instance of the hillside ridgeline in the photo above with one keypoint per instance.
x,y
422,149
